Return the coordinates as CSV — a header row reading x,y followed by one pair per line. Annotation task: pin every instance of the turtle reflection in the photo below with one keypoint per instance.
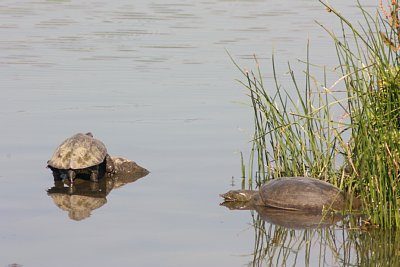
x,y
84,196
291,219
281,236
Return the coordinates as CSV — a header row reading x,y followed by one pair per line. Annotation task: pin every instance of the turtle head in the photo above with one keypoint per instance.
x,y
89,134
238,195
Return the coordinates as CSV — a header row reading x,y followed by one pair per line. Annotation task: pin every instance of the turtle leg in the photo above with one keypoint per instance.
x,y
94,187
110,167
71,176
56,174
94,174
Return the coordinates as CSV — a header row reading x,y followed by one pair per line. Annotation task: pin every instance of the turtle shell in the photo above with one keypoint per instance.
x,y
78,152
301,193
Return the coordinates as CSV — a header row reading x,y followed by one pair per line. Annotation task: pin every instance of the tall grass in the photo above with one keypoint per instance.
x,y
351,140
295,133
369,62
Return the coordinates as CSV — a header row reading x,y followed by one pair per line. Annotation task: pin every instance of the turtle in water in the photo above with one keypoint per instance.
x,y
294,193
78,154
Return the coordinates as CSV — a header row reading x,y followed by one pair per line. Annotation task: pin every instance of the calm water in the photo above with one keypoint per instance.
x,y
153,81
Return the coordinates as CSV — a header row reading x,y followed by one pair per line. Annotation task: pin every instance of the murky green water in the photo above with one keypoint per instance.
x,y
153,81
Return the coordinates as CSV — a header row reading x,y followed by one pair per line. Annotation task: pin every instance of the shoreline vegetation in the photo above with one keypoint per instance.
x,y
350,139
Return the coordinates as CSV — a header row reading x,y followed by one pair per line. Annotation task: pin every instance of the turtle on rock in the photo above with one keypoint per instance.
x,y
80,154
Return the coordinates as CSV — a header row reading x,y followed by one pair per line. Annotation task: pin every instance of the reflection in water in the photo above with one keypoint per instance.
x,y
291,238
280,246
288,238
82,198
85,196
376,248
291,219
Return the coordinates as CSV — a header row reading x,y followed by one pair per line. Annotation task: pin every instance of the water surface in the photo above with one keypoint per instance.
x,y
153,81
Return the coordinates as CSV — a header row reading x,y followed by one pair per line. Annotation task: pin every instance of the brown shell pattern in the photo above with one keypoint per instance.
x,y
300,193
78,152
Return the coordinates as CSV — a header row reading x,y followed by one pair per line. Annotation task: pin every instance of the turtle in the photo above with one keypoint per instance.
x,y
293,193
81,153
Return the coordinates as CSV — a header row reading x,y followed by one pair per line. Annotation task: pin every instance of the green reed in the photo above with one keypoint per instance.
x,y
295,134
369,63
351,138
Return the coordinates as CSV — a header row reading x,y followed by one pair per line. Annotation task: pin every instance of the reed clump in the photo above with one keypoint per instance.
x,y
350,139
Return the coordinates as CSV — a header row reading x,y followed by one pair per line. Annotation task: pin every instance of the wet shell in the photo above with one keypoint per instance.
x,y
78,152
301,193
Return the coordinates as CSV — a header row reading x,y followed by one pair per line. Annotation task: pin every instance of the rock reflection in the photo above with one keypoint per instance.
x,y
85,196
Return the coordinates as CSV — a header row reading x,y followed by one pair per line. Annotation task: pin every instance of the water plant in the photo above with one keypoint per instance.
x,y
369,62
350,139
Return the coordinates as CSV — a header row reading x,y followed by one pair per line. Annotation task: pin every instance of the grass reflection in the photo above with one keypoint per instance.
x,y
335,245
280,246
